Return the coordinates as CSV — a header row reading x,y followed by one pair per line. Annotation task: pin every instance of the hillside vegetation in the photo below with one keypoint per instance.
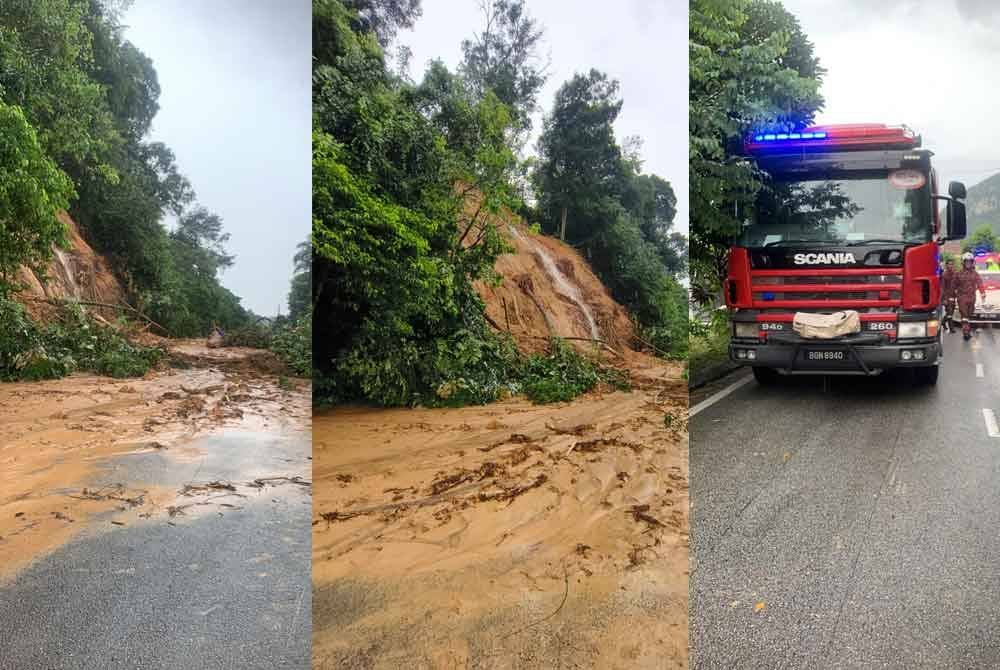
x,y
76,103
412,184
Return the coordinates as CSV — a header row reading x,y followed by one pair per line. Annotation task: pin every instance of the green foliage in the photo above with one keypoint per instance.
x,y
580,169
620,219
292,342
503,60
395,248
32,191
74,342
709,343
562,373
750,67
982,239
90,96
46,61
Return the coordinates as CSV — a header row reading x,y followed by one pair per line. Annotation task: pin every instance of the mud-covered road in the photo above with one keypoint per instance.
x,y
160,522
506,536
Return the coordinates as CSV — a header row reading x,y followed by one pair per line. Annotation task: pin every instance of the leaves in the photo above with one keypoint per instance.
x,y
32,191
750,67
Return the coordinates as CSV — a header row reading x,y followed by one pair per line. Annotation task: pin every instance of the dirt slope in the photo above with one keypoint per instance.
x,y
549,289
75,272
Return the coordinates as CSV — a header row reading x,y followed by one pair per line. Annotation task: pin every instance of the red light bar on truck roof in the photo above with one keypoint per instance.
x,y
833,137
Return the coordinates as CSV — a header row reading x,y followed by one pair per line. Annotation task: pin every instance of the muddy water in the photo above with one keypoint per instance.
x,y
506,536
87,450
161,518
222,583
561,283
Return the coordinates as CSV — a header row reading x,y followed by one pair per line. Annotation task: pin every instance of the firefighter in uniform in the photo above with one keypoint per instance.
x,y
948,294
965,284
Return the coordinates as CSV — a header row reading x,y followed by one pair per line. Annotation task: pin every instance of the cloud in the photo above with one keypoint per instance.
x,y
236,109
920,63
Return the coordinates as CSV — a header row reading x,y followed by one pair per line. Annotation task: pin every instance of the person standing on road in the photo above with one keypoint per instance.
x,y
966,282
948,293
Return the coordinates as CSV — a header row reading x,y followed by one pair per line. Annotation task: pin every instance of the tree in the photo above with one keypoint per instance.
x,y
651,200
504,59
300,294
384,18
750,67
982,239
46,50
33,191
580,168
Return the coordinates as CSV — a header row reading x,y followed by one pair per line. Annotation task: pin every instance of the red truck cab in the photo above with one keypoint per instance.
x,y
848,219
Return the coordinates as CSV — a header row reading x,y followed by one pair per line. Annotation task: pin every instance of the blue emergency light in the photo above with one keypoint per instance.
x,y
778,137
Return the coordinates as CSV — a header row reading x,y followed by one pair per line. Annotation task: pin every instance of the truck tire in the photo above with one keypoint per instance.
x,y
927,376
765,376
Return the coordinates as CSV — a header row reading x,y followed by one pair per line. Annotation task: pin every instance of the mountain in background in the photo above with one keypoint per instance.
x,y
983,204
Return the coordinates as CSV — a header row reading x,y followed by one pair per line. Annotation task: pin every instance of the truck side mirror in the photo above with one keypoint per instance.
x,y
956,189
955,214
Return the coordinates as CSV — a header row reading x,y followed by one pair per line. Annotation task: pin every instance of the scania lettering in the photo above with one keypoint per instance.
x,y
817,259
849,218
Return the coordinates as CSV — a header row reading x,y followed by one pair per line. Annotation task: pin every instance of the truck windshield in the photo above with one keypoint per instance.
x,y
845,209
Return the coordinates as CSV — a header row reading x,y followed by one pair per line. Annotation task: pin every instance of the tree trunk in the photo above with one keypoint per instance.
x,y
562,226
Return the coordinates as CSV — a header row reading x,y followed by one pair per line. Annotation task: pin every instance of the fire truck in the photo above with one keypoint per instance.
x,y
849,218
987,311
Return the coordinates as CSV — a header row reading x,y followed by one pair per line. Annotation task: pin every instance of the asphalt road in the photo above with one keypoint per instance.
x,y
226,588
853,524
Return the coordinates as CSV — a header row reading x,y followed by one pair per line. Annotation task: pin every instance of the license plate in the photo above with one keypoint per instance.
x,y
825,355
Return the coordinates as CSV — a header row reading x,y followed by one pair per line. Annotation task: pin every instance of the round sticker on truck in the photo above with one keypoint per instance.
x,y
908,180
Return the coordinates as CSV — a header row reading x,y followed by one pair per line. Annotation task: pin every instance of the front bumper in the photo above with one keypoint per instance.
x,y
852,354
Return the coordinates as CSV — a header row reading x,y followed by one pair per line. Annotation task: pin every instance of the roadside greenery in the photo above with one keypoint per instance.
x,y
709,345
982,239
72,342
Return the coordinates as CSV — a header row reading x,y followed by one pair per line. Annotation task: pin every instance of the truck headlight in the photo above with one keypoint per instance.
x,y
745,329
911,329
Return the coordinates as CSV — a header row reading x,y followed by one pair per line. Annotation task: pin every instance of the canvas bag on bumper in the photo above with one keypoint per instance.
x,y
826,326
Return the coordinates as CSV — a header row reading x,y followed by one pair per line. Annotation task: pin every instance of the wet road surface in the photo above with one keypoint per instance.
x,y
850,525
222,585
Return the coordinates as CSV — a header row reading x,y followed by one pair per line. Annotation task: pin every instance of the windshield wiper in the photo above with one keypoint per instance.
x,y
861,243
782,242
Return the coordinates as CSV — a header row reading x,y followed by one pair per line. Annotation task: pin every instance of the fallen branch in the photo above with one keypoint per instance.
x,y
557,610
90,303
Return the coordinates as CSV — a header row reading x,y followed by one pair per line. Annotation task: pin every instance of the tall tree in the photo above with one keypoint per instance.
x,y
300,293
504,58
750,67
384,18
579,162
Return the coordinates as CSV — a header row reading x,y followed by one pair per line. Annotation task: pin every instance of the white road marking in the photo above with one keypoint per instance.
x,y
991,423
712,399
979,369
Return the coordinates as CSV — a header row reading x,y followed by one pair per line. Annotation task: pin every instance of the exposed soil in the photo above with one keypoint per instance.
x,y
76,272
56,436
505,536
534,305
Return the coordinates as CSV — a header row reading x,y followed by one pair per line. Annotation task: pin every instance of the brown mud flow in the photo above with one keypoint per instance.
x,y
65,445
505,536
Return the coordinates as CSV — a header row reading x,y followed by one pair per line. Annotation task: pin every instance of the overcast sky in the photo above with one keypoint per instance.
x,y
931,64
641,43
235,108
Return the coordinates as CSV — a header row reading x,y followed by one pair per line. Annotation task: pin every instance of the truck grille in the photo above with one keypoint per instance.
x,y
817,291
